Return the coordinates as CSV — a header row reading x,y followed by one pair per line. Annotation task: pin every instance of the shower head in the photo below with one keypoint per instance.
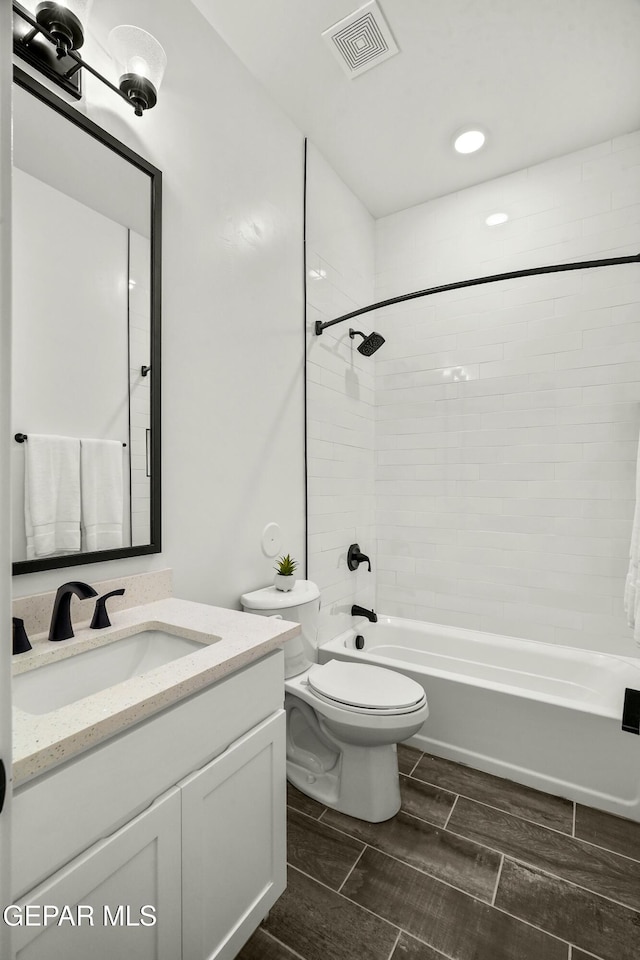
x,y
369,344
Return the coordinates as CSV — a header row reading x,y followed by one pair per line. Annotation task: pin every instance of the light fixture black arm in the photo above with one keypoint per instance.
x,y
476,281
80,63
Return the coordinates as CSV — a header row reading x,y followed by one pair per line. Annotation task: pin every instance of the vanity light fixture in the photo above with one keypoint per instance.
x,y
469,140
49,41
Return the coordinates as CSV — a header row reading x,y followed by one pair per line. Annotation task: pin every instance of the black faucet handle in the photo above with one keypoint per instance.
x,y
355,557
100,616
20,639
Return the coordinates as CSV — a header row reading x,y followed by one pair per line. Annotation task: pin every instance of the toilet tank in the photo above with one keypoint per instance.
x,y
301,605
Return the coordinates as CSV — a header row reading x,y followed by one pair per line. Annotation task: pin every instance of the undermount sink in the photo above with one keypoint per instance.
x,y
58,684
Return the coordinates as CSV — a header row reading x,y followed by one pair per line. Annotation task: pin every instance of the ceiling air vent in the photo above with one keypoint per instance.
x,y
362,40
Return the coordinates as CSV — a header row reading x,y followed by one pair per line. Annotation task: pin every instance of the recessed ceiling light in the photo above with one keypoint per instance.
x,y
495,218
468,141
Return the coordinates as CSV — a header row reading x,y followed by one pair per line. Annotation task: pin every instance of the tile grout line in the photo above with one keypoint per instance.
x,y
495,889
453,806
352,868
285,945
410,774
393,948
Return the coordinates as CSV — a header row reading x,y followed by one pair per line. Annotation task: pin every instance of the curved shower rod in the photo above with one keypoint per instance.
x,y
458,285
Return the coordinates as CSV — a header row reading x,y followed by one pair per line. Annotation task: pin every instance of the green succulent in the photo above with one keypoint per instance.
x,y
286,566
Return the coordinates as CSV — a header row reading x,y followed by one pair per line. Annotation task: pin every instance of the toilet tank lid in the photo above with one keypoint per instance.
x,y
268,598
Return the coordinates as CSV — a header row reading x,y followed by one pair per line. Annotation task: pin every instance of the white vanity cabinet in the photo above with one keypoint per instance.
x,y
233,843
184,815
107,892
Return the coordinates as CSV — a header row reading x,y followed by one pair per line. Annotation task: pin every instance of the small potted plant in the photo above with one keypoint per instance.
x,y
284,579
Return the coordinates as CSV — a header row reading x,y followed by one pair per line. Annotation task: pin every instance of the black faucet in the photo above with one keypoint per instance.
x,y
20,639
61,628
100,616
357,611
355,558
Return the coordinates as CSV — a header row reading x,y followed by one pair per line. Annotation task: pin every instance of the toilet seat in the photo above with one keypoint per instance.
x,y
363,688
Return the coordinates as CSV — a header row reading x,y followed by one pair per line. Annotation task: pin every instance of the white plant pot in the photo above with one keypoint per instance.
x,y
284,583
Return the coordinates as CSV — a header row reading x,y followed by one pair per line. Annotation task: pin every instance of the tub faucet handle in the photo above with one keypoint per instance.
x,y
355,557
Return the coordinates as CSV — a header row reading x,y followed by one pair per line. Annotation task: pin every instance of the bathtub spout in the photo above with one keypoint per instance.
x,y
357,611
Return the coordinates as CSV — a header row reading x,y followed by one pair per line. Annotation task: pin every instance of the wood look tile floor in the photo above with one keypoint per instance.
x,y
471,868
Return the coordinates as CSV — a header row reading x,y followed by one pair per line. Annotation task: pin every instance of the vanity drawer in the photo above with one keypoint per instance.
x,y
120,777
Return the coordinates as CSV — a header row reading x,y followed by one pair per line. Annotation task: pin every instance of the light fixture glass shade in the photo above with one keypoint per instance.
x,y
136,52
65,21
81,8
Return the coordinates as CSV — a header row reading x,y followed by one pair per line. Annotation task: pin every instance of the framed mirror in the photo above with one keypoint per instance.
x,y
85,457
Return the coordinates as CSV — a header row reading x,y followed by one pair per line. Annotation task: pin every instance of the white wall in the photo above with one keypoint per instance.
x,y
340,397
233,339
508,414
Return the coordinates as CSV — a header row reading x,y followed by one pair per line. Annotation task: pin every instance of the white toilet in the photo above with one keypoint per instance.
x,y
343,719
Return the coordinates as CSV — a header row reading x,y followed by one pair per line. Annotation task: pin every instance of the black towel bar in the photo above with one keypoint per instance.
x,y
21,437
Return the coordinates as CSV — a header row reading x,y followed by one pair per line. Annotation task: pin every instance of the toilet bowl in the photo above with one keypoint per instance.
x,y
344,719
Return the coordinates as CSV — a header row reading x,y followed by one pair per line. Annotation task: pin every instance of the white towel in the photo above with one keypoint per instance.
x,y
632,587
52,495
102,494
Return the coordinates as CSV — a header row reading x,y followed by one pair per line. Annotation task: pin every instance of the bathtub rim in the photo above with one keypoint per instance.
x,y
596,658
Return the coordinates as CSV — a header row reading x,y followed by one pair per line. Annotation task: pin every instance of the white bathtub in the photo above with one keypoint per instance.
x,y
543,715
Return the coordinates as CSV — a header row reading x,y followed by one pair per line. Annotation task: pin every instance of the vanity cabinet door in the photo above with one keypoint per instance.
x,y
234,856
137,867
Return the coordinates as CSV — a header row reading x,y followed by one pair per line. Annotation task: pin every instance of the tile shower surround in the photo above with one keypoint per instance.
x,y
505,417
472,868
505,498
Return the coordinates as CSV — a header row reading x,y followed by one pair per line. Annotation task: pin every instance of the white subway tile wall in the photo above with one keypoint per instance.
x,y
340,397
507,415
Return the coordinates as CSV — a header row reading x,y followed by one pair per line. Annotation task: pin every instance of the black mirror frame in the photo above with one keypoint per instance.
x,y
28,83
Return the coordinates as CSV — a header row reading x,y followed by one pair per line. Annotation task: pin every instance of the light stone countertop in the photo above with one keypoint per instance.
x,y
231,640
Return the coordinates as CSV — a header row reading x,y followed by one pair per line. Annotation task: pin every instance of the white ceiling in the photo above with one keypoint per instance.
x,y
543,77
